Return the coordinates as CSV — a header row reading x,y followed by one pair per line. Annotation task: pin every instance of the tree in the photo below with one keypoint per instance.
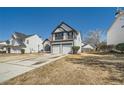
x,y
93,38
75,49
120,47
106,48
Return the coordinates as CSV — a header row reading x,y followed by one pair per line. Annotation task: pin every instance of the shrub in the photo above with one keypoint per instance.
x,y
22,51
106,48
110,47
120,47
75,49
103,47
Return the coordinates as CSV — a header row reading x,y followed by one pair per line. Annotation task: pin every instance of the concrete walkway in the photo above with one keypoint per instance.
x,y
12,69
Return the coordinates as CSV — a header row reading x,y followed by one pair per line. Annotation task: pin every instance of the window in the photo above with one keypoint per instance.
x,y
70,35
27,41
58,36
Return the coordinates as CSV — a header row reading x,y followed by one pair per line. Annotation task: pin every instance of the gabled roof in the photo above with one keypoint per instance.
x,y
30,35
20,35
46,40
88,46
119,13
64,27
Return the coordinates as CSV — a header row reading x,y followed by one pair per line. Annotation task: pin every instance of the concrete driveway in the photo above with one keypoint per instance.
x,y
14,68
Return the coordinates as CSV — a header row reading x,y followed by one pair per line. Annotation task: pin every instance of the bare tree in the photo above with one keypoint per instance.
x,y
93,38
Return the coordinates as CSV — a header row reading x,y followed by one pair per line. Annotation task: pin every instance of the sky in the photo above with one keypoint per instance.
x,y
43,21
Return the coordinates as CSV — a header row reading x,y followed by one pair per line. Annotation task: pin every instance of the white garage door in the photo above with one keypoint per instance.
x,y
56,49
66,49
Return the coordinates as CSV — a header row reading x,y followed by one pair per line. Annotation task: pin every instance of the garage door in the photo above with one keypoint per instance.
x,y
66,49
56,49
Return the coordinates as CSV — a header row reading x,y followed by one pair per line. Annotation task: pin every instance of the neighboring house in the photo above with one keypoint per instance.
x,y
47,46
87,47
63,38
115,34
29,43
82,44
3,45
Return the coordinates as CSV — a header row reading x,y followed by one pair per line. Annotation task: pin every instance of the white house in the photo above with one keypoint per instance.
x,y
115,34
3,45
30,43
63,38
87,48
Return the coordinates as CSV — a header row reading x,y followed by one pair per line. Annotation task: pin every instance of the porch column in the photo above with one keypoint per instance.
x,y
64,36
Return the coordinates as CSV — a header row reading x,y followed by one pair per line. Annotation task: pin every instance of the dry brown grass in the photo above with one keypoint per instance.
x,y
75,69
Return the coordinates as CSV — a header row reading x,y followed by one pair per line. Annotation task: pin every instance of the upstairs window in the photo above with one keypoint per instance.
x,y
70,35
58,36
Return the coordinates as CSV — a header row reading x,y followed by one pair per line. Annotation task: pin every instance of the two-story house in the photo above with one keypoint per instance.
x,y
115,34
63,38
29,43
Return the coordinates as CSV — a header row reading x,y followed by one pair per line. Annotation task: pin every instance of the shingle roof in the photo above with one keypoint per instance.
x,y
20,35
46,40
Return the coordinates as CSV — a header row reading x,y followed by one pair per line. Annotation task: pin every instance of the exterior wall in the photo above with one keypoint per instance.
x,y
78,41
53,37
2,48
14,42
115,34
34,44
15,50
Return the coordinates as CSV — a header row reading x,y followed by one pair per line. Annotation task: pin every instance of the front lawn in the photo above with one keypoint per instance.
x,y
77,69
